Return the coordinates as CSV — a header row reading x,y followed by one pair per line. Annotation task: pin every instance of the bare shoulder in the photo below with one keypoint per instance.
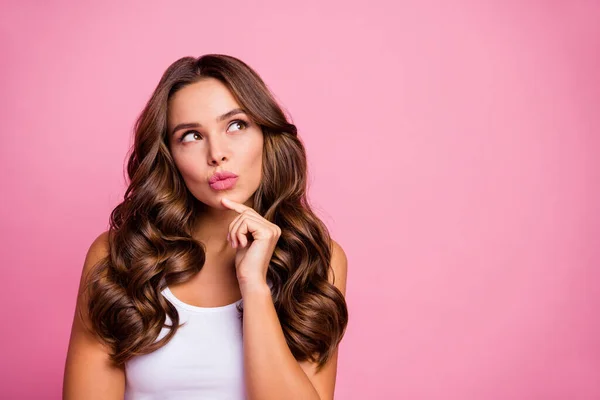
x,y
98,250
339,267
89,372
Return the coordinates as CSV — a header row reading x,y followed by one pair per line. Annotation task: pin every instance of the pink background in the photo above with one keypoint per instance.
x,y
453,153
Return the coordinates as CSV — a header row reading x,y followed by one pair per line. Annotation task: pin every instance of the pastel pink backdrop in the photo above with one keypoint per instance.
x,y
452,149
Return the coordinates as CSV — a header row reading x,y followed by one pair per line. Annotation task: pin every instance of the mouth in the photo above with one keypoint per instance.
x,y
220,175
222,180
223,184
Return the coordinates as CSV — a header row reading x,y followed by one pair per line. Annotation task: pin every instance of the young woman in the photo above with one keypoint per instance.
x,y
215,279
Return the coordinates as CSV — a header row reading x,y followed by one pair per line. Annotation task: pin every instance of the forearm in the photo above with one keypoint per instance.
x,y
271,371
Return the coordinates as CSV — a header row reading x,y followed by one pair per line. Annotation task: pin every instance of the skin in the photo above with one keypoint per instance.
x,y
271,371
234,144
239,244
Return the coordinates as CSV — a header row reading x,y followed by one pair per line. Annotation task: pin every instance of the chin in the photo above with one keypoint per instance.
x,y
213,200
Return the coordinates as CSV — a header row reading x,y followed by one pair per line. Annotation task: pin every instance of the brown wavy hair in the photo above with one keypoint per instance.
x,y
150,241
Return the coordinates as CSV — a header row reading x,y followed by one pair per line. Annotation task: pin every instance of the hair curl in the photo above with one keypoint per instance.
x,y
150,242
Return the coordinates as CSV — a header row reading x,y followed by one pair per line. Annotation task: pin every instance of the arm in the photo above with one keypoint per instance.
x,y
271,370
88,373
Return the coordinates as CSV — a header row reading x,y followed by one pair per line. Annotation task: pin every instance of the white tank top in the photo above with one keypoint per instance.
x,y
204,360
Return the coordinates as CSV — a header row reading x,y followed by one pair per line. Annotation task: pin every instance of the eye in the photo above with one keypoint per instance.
x,y
186,134
239,122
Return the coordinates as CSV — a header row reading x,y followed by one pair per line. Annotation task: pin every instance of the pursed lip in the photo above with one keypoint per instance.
x,y
221,175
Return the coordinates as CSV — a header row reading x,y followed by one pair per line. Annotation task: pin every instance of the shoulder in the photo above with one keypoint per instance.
x,y
89,371
100,244
96,252
339,267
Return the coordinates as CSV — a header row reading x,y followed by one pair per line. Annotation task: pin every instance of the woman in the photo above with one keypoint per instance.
x,y
215,279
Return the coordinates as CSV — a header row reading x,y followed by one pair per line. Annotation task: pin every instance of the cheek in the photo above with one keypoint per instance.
x,y
250,152
256,156
252,165
189,168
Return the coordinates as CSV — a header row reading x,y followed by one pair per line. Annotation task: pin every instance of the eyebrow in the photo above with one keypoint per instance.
x,y
220,118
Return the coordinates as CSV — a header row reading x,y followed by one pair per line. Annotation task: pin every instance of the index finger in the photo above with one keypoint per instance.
x,y
233,205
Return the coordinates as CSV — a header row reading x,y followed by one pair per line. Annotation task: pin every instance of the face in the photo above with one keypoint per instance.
x,y
207,136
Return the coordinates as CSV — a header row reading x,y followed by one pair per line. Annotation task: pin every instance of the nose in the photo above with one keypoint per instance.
x,y
217,153
216,161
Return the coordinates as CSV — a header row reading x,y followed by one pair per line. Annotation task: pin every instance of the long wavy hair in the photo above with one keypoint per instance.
x,y
150,241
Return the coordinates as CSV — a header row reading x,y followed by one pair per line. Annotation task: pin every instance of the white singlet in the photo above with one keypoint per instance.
x,y
204,360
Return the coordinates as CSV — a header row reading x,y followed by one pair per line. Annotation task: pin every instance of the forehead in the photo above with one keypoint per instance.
x,y
201,102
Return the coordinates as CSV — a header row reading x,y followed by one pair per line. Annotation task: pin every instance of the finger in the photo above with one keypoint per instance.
x,y
250,225
241,233
244,224
233,228
231,236
234,205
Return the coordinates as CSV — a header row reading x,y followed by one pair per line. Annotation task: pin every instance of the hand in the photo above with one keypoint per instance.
x,y
253,253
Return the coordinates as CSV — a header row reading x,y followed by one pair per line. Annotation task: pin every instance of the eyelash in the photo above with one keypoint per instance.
x,y
244,123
